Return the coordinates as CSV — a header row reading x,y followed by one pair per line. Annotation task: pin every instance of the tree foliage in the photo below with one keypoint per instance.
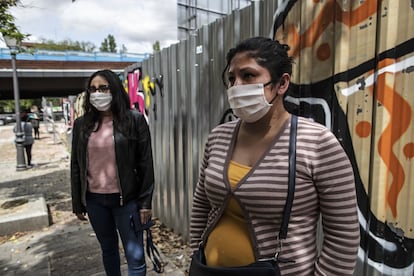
x,y
7,24
156,46
65,45
109,44
7,106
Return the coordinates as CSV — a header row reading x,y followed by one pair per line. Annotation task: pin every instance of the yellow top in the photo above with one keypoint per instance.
x,y
229,243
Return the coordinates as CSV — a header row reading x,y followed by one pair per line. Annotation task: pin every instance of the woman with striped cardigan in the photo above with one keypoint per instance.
x,y
241,192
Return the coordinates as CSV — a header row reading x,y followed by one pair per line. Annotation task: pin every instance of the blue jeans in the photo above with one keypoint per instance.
x,y
106,217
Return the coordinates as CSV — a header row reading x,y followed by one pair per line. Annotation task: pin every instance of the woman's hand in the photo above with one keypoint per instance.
x,y
145,215
81,216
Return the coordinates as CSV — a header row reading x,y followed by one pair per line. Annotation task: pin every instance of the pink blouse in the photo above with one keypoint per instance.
x,y
102,168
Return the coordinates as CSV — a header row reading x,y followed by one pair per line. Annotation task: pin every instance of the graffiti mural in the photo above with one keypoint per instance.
x,y
149,88
354,73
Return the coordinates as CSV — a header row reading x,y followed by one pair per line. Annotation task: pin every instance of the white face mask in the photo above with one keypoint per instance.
x,y
248,101
101,101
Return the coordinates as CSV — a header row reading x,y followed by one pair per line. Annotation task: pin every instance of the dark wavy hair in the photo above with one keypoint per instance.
x,y
267,52
120,104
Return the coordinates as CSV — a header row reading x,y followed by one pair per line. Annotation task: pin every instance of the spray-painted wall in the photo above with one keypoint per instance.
x,y
353,72
354,67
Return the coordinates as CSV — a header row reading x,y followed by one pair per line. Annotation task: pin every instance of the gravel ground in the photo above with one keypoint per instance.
x,y
69,244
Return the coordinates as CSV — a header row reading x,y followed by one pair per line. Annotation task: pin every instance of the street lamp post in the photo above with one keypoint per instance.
x,y
12,44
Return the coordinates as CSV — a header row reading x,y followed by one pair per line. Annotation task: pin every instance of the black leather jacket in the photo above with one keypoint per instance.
x,y
134,164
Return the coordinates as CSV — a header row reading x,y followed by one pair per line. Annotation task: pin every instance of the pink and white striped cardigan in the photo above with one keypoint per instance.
x,y
324,185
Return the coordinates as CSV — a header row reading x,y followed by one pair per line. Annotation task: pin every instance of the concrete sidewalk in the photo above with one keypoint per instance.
x,y
67,246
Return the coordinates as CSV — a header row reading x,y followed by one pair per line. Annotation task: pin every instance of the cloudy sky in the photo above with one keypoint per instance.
x,y
136,24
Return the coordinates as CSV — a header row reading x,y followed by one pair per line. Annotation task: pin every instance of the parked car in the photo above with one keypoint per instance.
x,y
7,118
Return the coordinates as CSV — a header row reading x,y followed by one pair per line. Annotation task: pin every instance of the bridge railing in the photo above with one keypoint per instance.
x,y
75,56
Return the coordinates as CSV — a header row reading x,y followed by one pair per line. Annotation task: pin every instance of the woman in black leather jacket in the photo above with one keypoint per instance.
x,y
112,175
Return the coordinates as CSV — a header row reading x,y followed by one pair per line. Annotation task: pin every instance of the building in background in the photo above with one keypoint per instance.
x,y
193,14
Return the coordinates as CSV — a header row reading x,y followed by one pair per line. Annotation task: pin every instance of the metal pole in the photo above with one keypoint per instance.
x,y
21,161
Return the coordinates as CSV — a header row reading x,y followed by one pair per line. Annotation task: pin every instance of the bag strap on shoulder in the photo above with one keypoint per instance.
x,y
291,181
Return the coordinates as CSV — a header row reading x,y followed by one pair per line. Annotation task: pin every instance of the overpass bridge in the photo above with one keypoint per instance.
x,y
57,74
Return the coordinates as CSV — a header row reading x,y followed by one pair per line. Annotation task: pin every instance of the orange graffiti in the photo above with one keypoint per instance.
x,y
363,129
323,52
409,150
398,108
399,122
330,13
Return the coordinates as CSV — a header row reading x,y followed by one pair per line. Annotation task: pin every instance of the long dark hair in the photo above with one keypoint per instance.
x,y
267,52
120,104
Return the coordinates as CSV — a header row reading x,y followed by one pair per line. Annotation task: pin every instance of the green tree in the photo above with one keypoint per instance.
x,y
88,46
65,45
156,46
7,25
109,44
104,46
7,106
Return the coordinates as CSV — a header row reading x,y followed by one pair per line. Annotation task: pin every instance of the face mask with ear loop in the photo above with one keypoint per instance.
x,y
101,101
248,101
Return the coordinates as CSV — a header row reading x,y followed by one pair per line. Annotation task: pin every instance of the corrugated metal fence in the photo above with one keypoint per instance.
x,y
191,103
